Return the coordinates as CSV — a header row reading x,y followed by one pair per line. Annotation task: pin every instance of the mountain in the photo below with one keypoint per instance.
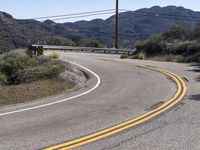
x,y
134,25
17,33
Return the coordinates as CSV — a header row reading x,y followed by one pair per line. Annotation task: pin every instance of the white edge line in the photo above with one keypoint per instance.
x,y
63,100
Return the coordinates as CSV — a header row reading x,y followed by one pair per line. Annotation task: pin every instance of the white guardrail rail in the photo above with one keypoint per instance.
x,y
86,49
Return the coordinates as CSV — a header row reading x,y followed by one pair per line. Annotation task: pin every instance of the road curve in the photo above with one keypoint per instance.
x,y
181,92
126,91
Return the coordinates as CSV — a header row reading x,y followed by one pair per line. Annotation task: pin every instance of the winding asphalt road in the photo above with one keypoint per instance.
x,y
125,92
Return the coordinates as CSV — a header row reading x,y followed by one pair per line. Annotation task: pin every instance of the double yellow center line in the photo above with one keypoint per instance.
x,y
179,95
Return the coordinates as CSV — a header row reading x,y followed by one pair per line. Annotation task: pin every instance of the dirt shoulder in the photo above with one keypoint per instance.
x,y
69,80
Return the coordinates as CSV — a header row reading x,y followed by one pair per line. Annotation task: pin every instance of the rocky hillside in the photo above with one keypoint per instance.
x,y
134,25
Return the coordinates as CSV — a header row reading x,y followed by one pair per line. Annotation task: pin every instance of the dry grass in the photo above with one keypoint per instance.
x,y
54,55
124,56
32,91
142,55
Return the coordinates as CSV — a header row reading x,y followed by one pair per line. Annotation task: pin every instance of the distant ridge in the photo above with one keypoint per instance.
x,y
134,25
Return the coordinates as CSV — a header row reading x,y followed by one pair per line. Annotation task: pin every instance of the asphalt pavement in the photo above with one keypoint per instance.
x,y
125,92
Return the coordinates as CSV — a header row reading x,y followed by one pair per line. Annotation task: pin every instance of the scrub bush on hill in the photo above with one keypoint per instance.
x,y
36,73
13,63
179,44
17,68
89,43
3,79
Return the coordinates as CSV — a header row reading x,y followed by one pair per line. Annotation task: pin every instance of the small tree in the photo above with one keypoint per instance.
x,y
179,31
197,31
89,43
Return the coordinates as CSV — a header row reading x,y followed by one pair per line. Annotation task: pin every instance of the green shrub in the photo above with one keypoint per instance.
x,y
56,40
14,62
193,58
17,68
196,31
153,46
177,45
36,73
124,56
184,48
90,43
174,58
54,70
3,79
180,31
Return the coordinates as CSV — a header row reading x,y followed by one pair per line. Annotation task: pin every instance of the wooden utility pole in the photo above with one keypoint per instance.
x,y
117,25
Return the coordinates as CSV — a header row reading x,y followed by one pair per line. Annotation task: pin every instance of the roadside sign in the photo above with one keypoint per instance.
x,y
40,50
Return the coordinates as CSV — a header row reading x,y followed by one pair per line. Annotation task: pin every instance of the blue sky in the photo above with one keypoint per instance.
x,y
23,9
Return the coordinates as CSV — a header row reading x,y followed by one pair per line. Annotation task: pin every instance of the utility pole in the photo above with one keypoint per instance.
x,y
117,25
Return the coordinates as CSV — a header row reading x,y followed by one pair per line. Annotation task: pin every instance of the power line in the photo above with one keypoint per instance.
x,y
111,11
69,16
82,16
74,14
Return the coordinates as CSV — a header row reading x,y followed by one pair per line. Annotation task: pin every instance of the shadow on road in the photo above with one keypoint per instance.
x,y
197,70
196,67
195,97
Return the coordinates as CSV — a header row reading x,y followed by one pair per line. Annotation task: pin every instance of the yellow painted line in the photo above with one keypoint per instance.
x,y
181,91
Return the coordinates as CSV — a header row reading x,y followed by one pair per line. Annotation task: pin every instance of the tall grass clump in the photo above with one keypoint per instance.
x,y
141,55
54,55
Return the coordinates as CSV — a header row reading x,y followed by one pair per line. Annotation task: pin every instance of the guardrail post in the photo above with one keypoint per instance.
x,y
31,50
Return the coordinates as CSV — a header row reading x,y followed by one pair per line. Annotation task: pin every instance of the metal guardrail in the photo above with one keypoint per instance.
x,y
86,49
